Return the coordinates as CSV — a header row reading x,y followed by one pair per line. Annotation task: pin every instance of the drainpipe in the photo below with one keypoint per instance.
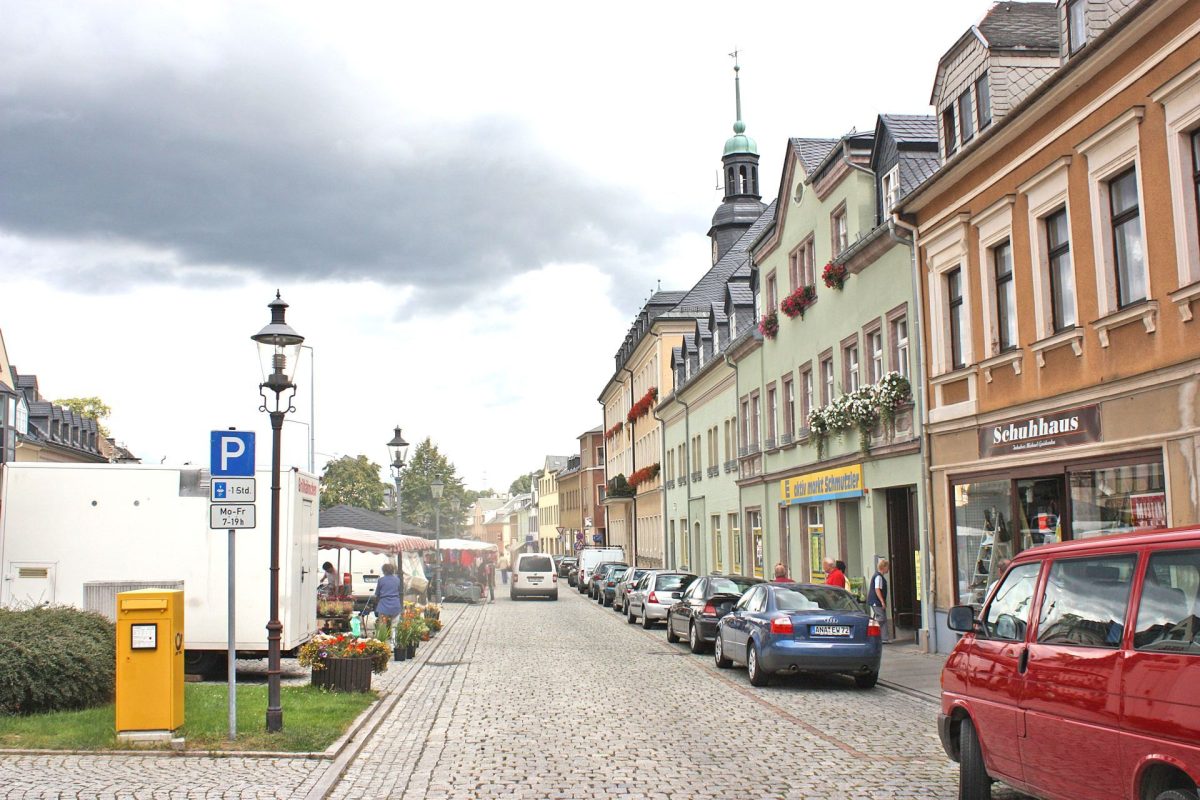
x,y
926,520
632,469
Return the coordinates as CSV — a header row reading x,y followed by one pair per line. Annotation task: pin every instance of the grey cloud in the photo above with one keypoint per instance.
x,y
267,161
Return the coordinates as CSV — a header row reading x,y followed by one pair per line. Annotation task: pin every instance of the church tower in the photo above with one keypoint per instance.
x,y
742,204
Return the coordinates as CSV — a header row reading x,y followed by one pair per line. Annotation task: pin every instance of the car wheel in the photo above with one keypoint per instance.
x,y
647,623
866,680
1175,794
973,780
719,654
512,596
695,643
630,618
758,675
671,635
554,595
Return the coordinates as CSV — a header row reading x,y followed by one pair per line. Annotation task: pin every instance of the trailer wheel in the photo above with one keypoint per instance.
x,y
205,663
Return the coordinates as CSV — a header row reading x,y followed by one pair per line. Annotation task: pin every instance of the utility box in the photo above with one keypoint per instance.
x,y
149,663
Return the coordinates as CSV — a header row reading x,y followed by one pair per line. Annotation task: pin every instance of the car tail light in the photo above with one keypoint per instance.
x,y
709,610
782,625
611,583
873,629
554,577
515,578
652,598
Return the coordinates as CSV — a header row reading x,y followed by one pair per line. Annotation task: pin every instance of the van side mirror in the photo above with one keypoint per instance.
x,y
961,619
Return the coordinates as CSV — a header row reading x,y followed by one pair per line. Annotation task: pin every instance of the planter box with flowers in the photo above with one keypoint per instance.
x,y
834,275
642,407
343,663
768,326
614,430
799,301
863,409
644,474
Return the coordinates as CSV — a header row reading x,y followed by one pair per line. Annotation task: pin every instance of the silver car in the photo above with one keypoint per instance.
x,y
626,584
654,595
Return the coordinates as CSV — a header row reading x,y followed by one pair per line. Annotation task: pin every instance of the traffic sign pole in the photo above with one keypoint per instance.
x,y
232,639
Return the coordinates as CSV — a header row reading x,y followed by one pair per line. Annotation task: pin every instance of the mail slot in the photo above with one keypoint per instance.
x,y
149,661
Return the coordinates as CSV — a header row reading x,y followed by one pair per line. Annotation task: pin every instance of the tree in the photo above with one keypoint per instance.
x,y
523,484
90,407
353,482
425,464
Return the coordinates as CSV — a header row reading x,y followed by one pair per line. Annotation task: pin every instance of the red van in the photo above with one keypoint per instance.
x,y
1080,677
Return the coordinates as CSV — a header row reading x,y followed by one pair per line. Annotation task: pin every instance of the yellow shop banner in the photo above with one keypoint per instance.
x,y
830,484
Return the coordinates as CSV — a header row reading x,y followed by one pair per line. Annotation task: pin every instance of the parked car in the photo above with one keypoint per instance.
x,y
573,576
695,616
797,627
627,582
533,574
1079,676
592,557
598,575
606,587
565,564
654,594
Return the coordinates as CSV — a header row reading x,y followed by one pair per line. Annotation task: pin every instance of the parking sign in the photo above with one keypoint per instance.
x,y
232,454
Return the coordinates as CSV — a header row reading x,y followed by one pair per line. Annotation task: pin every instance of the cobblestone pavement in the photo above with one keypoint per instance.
x,y
565,700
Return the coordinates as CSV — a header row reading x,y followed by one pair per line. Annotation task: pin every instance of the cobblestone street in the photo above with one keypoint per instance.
x,y
563,700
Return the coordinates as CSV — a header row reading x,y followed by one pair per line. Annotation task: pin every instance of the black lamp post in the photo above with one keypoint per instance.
x,y
398,449
279,350
436,486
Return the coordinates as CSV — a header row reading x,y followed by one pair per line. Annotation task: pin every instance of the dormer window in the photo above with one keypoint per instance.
x,y
948,131
716,339
983,101
965,118
1076,25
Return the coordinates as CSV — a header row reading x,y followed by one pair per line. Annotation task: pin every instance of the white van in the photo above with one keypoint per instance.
x,y
589,557
534,573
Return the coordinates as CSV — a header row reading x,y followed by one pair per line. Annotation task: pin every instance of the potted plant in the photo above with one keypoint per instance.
x,y
768,326
834,275
344,663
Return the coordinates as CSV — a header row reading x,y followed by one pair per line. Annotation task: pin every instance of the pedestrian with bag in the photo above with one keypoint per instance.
x,y
877,597
386,602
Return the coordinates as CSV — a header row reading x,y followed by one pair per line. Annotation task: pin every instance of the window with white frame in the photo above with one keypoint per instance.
x,y
839,230
772,412
1006,296
827,380
966,120
1113,160
1180,99
949,131
874,355
772,294
1061,273
755,419
957,316
890,189
789,406
851,379
983,101
1049,219
806,394
1077,35
997,288
945,251
899,337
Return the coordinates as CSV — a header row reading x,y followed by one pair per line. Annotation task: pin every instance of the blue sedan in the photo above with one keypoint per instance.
x,y
793,627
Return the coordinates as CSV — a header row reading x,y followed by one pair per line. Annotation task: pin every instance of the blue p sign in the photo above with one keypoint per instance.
x,y
232,454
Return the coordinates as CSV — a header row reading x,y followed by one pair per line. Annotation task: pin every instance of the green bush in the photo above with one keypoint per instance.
x,y
55,659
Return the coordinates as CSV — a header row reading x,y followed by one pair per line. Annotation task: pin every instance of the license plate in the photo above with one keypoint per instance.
x,y
830,630
535,579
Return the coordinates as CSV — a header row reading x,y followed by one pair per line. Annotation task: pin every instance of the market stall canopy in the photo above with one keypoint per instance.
x,y
467,544
371,541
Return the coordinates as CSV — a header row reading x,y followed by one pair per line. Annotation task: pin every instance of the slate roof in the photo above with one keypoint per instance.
x,y
912,128
555,463
915,169
1021,26
812,152
711,287
741,294
343,516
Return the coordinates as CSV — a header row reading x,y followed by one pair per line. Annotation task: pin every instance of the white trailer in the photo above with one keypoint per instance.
x,y
75,534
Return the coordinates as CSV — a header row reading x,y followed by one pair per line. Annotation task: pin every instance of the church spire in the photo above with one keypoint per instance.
x,y
742,203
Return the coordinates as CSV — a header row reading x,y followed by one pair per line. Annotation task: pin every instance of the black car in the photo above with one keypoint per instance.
x,y
606,588
564,566
599,573
695,615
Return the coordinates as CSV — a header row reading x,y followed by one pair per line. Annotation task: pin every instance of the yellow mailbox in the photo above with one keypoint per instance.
x,y
149,660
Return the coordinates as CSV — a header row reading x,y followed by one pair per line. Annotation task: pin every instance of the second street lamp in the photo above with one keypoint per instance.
x,y
398,450
279,349
436,487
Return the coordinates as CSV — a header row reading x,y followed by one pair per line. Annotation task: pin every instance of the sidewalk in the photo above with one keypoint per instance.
x,y
907,669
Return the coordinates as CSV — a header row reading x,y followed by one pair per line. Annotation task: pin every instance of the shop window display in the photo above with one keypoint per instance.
x,y
1118,500
984,536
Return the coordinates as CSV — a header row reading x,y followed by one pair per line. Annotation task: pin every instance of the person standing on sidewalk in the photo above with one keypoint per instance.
x,y
489,576
833,575
877,597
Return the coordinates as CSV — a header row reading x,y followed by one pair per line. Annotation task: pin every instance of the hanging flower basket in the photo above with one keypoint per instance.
x,y
834,275
799,301
768,326
642,407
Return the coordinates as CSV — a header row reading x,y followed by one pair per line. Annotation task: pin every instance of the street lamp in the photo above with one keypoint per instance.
x,y
398,449
436,487
278,349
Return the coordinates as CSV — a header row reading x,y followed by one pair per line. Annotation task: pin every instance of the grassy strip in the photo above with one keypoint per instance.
x,y
312,720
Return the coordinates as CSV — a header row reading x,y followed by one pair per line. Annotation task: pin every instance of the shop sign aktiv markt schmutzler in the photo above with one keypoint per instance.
x,y
1040,432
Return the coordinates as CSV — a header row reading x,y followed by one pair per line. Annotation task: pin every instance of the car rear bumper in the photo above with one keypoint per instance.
x,y
850,658
707,629
656,611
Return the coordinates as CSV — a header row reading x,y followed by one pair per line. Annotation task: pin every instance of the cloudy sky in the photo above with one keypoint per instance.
x,y
464,203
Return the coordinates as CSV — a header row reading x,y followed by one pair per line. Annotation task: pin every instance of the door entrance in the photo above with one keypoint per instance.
x,y
902,549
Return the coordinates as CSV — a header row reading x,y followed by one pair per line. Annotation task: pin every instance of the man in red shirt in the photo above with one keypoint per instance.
x,y
781,575
833,575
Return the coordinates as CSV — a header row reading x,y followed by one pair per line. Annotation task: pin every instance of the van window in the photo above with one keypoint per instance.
x,y
1086,600
535,564
1007,616
1167,619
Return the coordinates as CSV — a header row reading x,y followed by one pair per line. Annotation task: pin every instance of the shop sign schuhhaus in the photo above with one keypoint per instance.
x,y
1026,434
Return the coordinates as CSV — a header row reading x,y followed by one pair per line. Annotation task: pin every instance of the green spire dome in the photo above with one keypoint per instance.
x,y
739,142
